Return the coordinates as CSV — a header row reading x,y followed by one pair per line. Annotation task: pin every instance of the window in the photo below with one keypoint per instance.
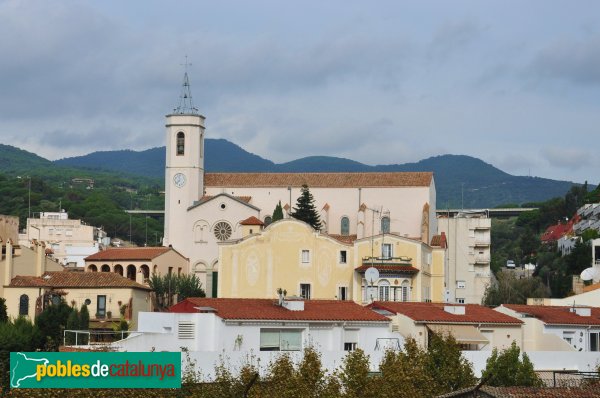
x,y
69,232
343,256
180,143
280,340
305,256
342,293
461,284
268,220
568,337
460,300
386,250
405,291
350,340
222,230
305,291
345,226
385,225
101,307
24,305
594,341
384,290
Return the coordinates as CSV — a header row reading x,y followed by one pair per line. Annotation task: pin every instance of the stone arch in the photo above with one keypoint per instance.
x,y
92,268
119,269
105,268
145,270
131,271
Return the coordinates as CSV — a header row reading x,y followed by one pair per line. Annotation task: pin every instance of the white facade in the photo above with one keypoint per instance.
x,y
590,218
468,255
70,241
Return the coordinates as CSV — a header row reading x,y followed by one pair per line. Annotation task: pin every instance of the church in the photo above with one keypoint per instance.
x,y
205,210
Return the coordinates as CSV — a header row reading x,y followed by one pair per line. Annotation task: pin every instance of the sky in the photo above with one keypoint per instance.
x,y
514,83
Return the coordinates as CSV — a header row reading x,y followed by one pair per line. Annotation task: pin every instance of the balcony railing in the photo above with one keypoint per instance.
x,y
482,241
482,259
402,260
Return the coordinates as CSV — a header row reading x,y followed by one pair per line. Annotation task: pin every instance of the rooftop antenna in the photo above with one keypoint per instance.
x,y
186,105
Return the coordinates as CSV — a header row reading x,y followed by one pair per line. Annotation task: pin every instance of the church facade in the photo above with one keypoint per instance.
x,y
203,209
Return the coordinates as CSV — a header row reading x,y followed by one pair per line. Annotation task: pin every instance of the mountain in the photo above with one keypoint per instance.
x,y
460,180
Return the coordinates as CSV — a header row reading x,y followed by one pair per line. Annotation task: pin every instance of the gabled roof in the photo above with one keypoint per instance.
x,y
68,279
556,315
245,200
325,180
128,253
435,313
267,309
251,221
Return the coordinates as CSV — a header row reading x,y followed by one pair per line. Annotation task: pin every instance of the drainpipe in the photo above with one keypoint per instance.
x,y
8,264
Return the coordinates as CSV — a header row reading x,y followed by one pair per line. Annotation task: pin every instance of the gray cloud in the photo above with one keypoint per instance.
x,y
568,158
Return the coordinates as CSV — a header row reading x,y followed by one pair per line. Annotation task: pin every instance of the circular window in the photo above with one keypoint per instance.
x,y
88,301
222,230
223,206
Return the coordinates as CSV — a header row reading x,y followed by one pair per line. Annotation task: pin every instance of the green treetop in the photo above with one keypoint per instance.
x,y
277,213
305,209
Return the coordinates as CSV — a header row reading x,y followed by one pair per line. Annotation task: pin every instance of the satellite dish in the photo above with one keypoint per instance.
x,y
589,273
371,275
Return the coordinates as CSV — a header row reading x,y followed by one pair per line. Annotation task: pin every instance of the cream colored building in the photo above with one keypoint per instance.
x,y
475,328
138,263
64,237
104,294
290,255
203,209
468,258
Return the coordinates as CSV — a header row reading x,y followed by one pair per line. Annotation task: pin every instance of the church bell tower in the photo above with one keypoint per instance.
x,y
184,172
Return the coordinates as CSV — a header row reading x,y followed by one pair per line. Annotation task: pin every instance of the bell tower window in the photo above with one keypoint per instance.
x,y
180,143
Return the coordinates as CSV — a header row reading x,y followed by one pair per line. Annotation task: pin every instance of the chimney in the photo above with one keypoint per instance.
x,y
40,258
581,311
455,309
294,304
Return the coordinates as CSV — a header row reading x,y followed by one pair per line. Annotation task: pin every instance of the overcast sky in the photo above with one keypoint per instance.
x,y
514,83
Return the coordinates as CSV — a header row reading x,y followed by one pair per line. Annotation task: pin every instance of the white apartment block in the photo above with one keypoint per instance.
x,y
467,271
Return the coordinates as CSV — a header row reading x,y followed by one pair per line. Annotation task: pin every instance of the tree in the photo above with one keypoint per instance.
x,y
84,322
277,213
510,290
165,287
354,376
506,369
52,322
3,311
446,364
188,286
72,324
305,209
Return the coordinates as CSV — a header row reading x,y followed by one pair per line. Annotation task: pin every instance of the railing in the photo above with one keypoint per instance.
x,y
402,260
482,241
482,259
95,337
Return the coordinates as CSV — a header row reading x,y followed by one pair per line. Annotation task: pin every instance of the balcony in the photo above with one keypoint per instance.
x,y
485,259
479,242
402,260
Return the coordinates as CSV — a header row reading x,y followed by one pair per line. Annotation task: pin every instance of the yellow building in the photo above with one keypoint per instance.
x,y
290,255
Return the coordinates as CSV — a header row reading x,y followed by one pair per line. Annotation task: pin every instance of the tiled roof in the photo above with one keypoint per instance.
x,y
589,288
251,221
267,309
326,180
526,392
555,315
434,312
66,279
388,268
439,240
128,253
245,199
343,238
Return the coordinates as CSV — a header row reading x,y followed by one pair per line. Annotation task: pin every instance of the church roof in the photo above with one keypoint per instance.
x,y
245,200
322,180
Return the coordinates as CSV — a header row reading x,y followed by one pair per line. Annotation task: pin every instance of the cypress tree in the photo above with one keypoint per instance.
x,y
84,323
305,209
277,213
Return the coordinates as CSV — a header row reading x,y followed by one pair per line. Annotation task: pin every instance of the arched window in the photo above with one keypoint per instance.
x,y
345,226
145,272
384,290
385,225
405,291
92,268
119,269
131,272
268,220
180,143
105,268
24,305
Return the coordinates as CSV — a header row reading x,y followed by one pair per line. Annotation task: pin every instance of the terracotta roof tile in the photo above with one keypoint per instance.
x,y
66,279
251,221
434,312
245,199
267,309
556,315
591,287
343,238
388,268
128,253
326,180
